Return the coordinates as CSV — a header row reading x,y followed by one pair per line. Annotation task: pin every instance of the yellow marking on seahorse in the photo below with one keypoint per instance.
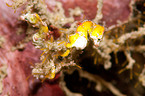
x,y
52,73
86,27
79,39
97,30
72,40
65,53
43,28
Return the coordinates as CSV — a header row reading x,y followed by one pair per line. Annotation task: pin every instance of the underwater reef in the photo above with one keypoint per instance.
x,y
72,48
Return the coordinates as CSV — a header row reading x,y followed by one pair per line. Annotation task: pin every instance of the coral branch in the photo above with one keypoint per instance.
x,y
96,78
108,46
142,77
99,11
132,35
130,60
65,89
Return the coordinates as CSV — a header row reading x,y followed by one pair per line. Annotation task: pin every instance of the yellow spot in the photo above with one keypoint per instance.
x,y
38,18
85,27
65,53
51,39
72,40
61,42
98,30
43,29
52,74
8,5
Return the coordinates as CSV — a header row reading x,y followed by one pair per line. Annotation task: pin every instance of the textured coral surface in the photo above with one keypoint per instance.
x,y
112,9
19,61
